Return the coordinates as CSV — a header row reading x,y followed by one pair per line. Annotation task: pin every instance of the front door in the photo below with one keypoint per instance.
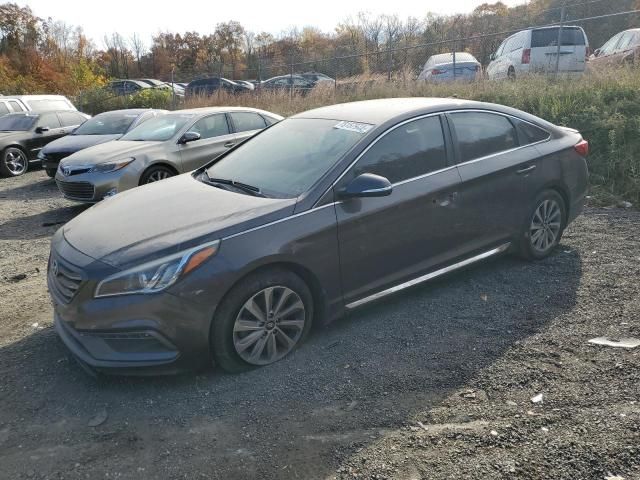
x,y
215,139
50,123
388,240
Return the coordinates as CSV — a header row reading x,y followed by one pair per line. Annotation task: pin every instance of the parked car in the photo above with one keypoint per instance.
x,y
178,90
321,213
622,49
445,68
23,135
38,103
536,51
160,148
297,83
209,86
99,129
246,83
11,106
127,87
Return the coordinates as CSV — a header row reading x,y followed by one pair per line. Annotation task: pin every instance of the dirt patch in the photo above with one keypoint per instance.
x,y
433,383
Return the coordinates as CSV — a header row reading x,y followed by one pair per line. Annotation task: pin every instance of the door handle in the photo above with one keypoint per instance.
x,y
229,144
526,170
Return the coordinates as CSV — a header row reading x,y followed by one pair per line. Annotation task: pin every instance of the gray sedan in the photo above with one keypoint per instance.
x,y
160,148
323,212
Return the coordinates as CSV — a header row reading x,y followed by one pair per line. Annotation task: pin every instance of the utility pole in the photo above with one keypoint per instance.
x,y
558,50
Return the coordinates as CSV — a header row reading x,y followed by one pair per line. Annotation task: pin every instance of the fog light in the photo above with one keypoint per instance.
x,y
110,193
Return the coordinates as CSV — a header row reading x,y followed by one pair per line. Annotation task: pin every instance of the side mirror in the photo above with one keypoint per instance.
x,y
189,137
367,185
42,129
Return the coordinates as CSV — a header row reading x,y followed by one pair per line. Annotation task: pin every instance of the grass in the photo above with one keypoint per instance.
x,y
605,108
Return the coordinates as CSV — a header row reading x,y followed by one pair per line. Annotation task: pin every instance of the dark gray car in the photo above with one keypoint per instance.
x,y
316,215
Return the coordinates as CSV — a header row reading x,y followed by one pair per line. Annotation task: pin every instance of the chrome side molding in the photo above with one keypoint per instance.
x,y
429,276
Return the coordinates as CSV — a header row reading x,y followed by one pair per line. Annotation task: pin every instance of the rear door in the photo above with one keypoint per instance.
x,y
215,138
246,124
544,49
500,173
385,241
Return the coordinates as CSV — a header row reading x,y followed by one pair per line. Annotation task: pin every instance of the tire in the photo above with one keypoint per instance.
x,y
155,174
51,172
511,74
241,340
13,162
542,231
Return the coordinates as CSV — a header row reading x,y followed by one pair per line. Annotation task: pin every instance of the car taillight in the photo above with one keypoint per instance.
x,y
435,71
582,148
526,56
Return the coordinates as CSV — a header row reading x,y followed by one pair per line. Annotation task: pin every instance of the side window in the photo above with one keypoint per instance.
x,y
16,106
529,133
245,121
211,126
70,119
3,108
411,150
624,42
481,134
48,120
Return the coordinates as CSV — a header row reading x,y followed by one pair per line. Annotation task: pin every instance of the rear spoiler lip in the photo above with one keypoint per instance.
x,y
569,130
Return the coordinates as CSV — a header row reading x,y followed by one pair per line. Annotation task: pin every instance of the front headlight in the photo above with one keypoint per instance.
x,y
111,166
157,275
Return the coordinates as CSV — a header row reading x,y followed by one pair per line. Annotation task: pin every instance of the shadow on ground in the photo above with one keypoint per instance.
x,y
39,225
364,375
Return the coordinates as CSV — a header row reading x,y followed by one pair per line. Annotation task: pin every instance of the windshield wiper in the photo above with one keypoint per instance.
x,y
234,183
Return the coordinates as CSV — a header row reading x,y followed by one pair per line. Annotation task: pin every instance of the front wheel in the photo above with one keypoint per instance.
x,y
155,174
14,162
262,319
544,226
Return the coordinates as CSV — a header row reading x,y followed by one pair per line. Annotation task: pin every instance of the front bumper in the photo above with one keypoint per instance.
x,y
92,187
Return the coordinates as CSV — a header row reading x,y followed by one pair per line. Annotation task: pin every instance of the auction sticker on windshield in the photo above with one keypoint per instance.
x,y
354,126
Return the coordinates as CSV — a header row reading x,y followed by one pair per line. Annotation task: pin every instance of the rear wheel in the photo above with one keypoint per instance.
x,y
155,174
544,226
262,319
14,162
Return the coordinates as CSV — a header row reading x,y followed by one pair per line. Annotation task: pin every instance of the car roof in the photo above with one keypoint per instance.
x,y
205,110
382,110
38,113
448,58
132,111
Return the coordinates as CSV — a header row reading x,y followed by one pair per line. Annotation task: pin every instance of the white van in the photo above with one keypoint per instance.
x,y
536,51
38,103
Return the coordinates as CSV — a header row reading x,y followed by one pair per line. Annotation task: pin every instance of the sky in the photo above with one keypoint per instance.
x,y
150,17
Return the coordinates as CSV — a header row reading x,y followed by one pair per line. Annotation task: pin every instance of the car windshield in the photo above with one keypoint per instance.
x,y
287,159
16,123
107,124
158,129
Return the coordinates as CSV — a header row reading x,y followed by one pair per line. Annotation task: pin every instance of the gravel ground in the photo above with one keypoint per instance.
x,y
433,383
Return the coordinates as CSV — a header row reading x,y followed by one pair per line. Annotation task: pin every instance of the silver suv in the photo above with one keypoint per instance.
x,y
174,143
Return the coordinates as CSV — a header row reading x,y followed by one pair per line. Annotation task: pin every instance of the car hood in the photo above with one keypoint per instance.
x,y
166,217
73,143
105,152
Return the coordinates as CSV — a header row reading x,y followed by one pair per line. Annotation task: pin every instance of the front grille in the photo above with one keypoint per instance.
x,y
77,190
63,279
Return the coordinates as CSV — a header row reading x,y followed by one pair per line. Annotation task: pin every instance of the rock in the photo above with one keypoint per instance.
x,y
511,403
537,399
98,419
624,204
18,277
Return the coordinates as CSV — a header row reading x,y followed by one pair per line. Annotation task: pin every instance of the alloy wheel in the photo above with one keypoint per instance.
x,y
269,325
158,175
16,161
545,226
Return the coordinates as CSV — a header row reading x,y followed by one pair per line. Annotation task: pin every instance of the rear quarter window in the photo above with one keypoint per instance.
x,y
548,37
529,133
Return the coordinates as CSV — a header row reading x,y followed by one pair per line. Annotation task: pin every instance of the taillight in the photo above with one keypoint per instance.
x,y
526,56
435,71
582,148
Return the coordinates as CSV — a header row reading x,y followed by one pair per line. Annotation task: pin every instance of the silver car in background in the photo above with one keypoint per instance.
x,y
174,143
449,67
